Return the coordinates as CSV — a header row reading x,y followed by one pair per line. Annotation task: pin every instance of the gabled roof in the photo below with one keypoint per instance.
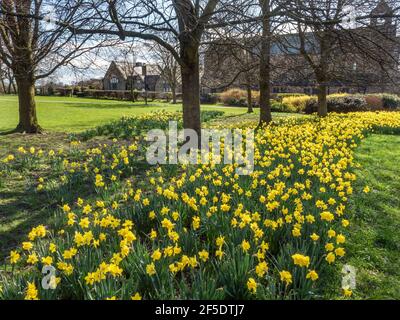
x,y
128,69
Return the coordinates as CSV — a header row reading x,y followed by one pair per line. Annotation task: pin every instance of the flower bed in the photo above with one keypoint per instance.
x,y
197,232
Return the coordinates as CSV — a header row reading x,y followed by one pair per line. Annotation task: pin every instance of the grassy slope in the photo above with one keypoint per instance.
x,y
374,244
65,114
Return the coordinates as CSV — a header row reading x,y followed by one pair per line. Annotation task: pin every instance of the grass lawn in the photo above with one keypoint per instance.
x,y
64,114
374,244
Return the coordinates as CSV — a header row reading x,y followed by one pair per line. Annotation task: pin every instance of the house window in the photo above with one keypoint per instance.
x,y
114,83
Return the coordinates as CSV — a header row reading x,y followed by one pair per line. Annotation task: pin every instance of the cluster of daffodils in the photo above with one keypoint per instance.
x,y
204,232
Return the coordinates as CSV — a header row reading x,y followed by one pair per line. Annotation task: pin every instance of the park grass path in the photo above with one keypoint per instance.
x,y
374,242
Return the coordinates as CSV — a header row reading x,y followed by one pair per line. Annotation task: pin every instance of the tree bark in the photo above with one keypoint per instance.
x,y
132,93
27,107
10,85
322,76
265,67
191,87
3,85
173,89
249,100
322,100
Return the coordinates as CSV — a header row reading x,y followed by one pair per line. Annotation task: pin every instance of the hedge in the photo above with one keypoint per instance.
x,y
355,103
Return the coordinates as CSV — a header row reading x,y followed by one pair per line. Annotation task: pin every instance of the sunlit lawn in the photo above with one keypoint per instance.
x,y
374,244
66,114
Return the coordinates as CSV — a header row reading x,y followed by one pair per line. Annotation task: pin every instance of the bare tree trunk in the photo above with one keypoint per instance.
x,y
249,100
322,77
3,86
265,67
27,107
132,94
13,86
322,100
10,83
191,87
173,89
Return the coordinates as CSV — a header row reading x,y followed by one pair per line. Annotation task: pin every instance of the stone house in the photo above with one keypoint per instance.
x,y
125,76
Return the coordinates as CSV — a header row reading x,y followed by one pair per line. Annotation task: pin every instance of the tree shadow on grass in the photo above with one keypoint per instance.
x,y
8,132
26,207
22,207
22,210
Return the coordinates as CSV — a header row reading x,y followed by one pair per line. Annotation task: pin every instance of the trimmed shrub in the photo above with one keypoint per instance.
x,y
340,104
374,102
233,97
343,103
338,95
255,96
277,106
297,103
287,95
208,98
238,98
390,101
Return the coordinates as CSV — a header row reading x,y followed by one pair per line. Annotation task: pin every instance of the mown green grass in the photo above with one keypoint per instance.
x,y
374,243
65,114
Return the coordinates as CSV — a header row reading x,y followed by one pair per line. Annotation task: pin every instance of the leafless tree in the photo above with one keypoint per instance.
x,y
333,34
7,79
248,78
185,22
3,77
232,62
265,62
168,67
254,38
33,47
126,56
311,40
